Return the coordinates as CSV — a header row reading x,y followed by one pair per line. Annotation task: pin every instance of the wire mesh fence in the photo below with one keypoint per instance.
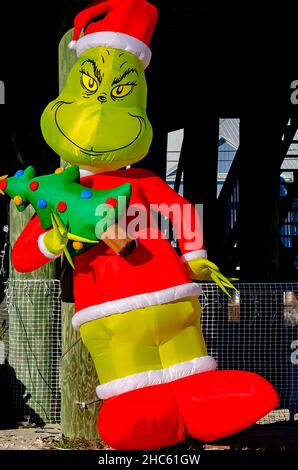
x,y
3,332
34,349
255,330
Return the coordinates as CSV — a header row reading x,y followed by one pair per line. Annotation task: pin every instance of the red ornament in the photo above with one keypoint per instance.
x,y
62,206
3,185
34,185
111,201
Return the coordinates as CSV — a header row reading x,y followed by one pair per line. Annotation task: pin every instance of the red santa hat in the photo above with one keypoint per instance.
x,y
123,24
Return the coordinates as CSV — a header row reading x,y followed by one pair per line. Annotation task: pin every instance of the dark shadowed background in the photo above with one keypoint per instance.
x,y
210,60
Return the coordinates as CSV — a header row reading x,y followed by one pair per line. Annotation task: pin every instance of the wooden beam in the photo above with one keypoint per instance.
x,y
78,375
200,154
78,382
260,134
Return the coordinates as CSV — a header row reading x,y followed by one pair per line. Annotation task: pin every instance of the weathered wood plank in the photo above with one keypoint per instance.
x,y
78,382
78,375
67,58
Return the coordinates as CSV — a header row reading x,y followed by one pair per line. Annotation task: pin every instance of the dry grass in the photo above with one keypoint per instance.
x,y
63,443
279,436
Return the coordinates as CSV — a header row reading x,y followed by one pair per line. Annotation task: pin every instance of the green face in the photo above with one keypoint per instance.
x,y
99,120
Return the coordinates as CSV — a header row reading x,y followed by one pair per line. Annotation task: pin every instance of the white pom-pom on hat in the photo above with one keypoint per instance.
x,y
72,45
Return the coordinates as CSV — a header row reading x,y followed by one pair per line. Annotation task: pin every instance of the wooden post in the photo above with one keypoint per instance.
x,y
200,146
260,137
78,374
78,382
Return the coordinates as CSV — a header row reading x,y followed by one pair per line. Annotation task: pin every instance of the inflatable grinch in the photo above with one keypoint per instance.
x,y
139,314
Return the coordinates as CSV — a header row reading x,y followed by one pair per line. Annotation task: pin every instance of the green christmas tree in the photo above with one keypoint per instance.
x,y
61,202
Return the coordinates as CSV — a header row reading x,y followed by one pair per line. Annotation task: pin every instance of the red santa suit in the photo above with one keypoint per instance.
x,y
153,274
107,284
97,271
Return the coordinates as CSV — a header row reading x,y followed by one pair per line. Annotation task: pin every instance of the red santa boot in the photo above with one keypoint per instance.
x,y
218,403
147,418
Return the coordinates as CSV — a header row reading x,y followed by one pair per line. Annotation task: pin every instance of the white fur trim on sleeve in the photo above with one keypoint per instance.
x,y
43,248
156,377
194,255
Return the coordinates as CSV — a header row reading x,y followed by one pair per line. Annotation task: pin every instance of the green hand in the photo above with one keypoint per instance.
x,y
61,232
202,269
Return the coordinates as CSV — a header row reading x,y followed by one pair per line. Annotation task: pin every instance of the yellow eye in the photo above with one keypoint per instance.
x,y
89,83
120,91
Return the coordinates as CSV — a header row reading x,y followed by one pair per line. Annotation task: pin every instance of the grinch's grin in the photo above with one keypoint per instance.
x,y
91,151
